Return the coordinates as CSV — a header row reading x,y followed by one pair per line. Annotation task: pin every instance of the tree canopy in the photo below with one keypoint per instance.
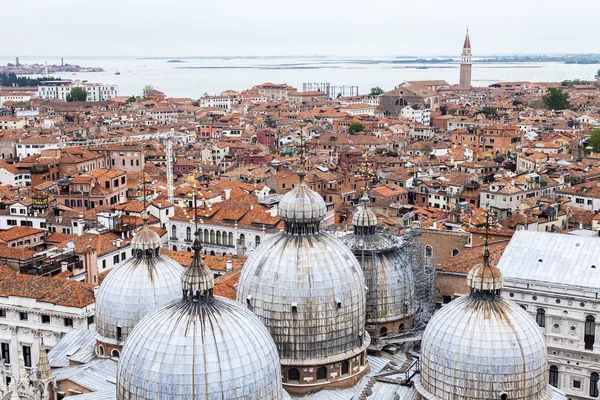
x,y
598,73
376,91
594,141
77,94
356,127
489,112
11,79
556,99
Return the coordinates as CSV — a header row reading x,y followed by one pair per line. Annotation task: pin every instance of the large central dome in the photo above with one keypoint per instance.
x,y
483,347
308,289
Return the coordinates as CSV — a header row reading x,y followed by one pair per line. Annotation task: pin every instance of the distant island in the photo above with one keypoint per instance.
x,y
566,58
40,69
176,61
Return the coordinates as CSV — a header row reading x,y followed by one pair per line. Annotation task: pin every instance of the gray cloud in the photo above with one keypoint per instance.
x,y
285,27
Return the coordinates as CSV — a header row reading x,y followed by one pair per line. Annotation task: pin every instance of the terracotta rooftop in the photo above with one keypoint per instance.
x,y
61,292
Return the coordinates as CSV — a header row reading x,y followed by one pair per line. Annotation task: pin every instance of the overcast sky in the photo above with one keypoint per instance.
x,y
306,27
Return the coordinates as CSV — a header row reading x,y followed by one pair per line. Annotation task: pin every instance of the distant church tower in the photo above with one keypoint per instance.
x,y
466,63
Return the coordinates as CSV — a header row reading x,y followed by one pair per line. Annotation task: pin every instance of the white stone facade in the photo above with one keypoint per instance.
x,y
23,320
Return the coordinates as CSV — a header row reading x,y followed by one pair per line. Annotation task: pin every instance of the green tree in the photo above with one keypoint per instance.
x,y
356,127
452,111
132,99
489,112
556,99
147,89
376,91
598,73
594,141
77,94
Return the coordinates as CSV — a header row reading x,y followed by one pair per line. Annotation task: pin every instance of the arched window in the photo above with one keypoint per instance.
x,y
205,236
242,240
174,248
115,353
594,384
503,396
401,328
540,317
219,238
455,252
383,331
100,350
188,234
212,236
428,251
231,239
173,232
257,240
293,375
321,373
345,368
554,375
362,358
590,332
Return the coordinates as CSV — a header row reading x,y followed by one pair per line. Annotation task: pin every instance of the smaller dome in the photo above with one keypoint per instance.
x,y
146,238
485,277
364,217
302,205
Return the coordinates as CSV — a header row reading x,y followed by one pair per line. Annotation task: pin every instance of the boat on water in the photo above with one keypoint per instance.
x,y
117,73
423,67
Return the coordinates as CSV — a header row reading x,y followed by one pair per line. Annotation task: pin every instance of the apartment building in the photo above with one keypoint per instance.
x,y
50,90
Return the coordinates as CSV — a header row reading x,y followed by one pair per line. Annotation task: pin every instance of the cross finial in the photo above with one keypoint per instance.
x,y
302,150
486,249
365,171
145,211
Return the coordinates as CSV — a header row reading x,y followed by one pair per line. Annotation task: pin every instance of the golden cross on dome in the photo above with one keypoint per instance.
x,y
144,213
302,148
365,171
486,249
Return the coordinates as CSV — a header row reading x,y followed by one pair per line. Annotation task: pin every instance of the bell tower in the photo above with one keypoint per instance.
x,y
466,63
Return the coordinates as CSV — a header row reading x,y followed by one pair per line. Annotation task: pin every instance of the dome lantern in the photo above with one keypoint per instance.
x,y
197,281
485,279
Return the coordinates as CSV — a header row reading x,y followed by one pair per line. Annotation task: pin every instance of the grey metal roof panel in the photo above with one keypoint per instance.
x,y
103,395
97,376
552,258
76,343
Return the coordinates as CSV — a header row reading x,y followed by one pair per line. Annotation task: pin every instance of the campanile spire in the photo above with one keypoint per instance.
x,y
466,63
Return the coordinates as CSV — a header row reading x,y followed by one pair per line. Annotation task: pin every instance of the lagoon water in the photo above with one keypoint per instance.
x,y
196,76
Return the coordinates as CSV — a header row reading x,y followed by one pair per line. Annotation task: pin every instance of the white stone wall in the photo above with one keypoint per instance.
x,y
17,332
566,310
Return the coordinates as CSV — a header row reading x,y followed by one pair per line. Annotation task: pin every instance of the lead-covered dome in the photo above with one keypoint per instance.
x,y
308,289
146,280
389,277
200,347
481,346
